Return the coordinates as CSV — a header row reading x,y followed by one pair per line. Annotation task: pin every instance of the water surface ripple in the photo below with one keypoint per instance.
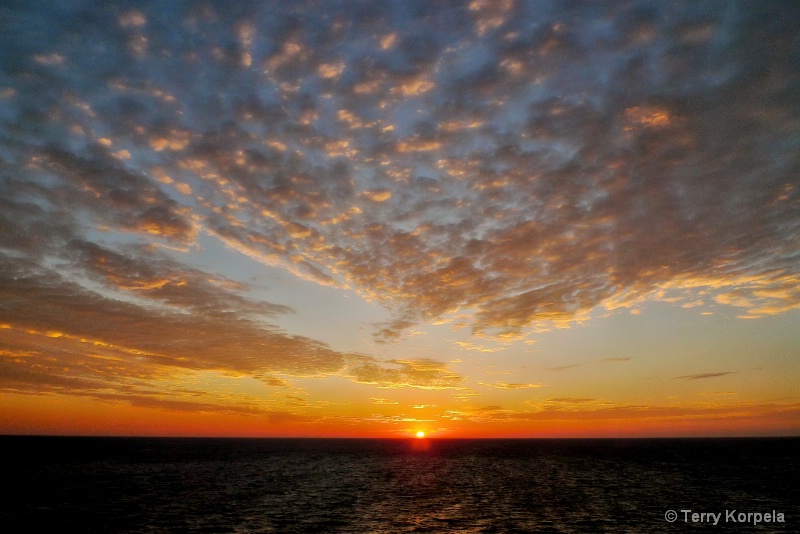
x,y
383,486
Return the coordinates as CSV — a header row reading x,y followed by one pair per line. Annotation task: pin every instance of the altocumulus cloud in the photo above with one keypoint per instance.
x,y
525,162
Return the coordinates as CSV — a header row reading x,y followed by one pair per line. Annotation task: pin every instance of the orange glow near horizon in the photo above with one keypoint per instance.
x,y
61,415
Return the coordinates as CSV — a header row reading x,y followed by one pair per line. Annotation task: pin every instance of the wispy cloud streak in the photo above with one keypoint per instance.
x,y
702,376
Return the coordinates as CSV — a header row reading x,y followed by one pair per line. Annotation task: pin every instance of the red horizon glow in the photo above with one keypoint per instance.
x,y
76,417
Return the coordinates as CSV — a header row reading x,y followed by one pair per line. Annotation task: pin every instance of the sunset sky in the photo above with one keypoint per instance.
x,y
472,219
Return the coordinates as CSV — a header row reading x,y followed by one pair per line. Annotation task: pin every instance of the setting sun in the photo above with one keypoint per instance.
x,y
420,434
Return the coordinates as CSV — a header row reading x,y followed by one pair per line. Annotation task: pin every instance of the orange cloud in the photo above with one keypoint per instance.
x,y
417,373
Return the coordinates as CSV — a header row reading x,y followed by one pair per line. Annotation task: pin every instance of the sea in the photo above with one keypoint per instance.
x,y
105,485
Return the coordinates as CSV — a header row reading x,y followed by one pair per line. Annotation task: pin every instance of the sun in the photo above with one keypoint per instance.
x,y
420,434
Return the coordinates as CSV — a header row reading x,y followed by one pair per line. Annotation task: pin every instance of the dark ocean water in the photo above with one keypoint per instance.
x,y
329,485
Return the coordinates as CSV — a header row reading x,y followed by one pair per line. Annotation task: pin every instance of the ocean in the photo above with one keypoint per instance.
x,y
72,484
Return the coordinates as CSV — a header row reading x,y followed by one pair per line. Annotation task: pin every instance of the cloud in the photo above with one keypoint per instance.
x,y
570,410
422,373
512,385
126,199
57,336
465,345
150,276
272,381
702,376
378,195
184,406
572,400
381,400
593,362
390,331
